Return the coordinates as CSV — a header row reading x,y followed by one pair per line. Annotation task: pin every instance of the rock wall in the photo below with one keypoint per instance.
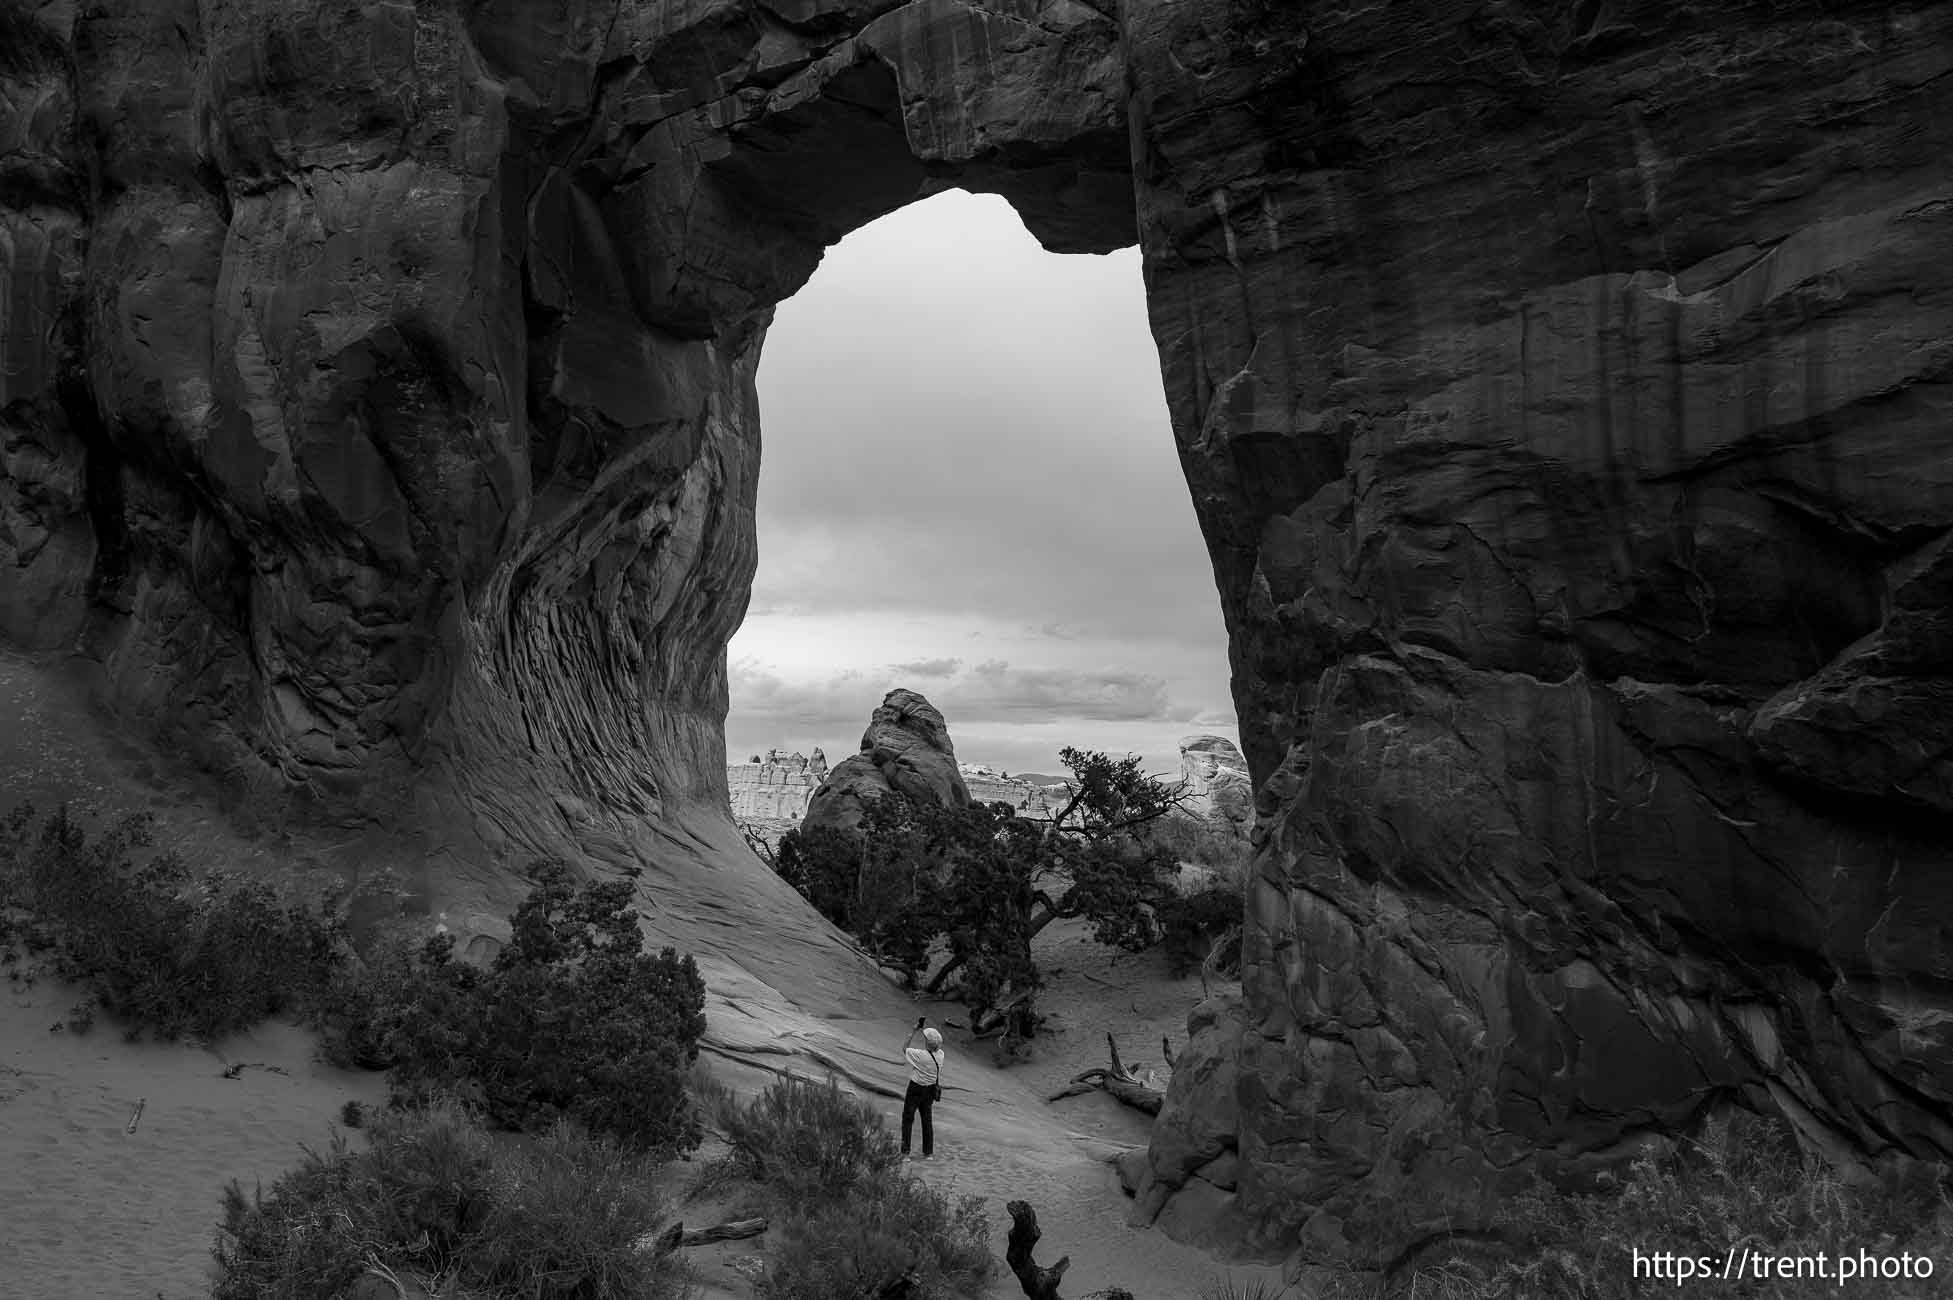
x,y
1562,390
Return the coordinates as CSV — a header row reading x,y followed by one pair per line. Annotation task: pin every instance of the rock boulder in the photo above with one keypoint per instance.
x,y
906,750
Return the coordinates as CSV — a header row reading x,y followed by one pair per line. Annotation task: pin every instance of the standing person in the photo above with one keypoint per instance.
x,y
925,1084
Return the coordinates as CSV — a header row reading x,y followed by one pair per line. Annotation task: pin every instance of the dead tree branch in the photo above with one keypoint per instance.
x,y
678,1235
1038,1283
1117,1080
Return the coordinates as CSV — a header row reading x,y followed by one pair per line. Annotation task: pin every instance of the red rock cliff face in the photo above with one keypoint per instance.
x,y
1562,388
1564,393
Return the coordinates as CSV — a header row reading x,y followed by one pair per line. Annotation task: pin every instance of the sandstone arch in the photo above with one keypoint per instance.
x,y
1562,392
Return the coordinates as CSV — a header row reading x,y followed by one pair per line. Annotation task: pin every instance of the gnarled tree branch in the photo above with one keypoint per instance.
x,y
1039,1283
1117,1080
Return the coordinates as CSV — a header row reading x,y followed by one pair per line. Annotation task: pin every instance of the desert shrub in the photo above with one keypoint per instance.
x,y
1742,1185
1201,842
573,1018
433,1196
1190,923
1230,1288
373,997
849,1222
807,1141
824,866
862,1245
160,947
982,882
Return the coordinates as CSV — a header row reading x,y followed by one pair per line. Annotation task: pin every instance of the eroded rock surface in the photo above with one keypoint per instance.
x,y
906,750
1563,390
378,381
1564,394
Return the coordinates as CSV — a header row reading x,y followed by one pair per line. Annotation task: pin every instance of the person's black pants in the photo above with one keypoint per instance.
x,y
918,1099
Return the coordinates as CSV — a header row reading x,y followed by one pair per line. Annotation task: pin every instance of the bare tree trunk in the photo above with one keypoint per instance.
x,y
759,846
954,964
935,984
1117,1080
1038,1283
678,1235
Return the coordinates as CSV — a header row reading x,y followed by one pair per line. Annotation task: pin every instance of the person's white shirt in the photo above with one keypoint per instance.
x,y
925,1065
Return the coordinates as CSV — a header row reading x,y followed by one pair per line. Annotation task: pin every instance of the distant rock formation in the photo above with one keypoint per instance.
x,y
905,749
776,787
987,785
1219,790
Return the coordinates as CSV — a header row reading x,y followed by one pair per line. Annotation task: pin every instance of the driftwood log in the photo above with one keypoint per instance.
x,y
1117,1080
1038,1283
678,1235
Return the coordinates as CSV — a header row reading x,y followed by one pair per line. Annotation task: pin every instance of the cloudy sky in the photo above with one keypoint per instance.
x,y
968,487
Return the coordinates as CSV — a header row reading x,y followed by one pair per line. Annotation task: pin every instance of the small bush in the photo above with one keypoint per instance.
x,y
861,1245
1200,842
572,1019
809,1141
1743,1185
1190,924
154,945
435,1197
850,1224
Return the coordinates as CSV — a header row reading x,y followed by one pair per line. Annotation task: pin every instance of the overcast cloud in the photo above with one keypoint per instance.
x,y
969,488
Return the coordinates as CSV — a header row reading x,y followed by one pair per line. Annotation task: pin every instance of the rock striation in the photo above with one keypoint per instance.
x,y
1215,778
378,382
1562,391
906,750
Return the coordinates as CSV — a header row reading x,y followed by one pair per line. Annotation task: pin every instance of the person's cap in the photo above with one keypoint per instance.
x,y
933,1036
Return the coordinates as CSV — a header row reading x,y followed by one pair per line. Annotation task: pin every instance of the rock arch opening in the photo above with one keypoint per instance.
x,y
969,487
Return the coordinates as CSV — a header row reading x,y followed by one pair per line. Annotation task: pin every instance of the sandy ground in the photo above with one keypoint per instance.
x,y
92,1211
